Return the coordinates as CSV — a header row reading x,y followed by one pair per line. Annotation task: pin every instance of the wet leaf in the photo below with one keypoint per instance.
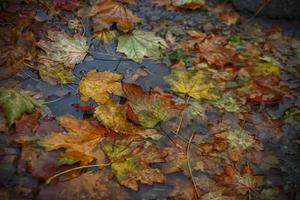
x,y
63,49
81,142
131,159
189,4
66,4
111,12
113,116
99,85
13,104
16,48
56,75
215,50
195,83
150,108
239,183
87,186
217,195
140,44
106,35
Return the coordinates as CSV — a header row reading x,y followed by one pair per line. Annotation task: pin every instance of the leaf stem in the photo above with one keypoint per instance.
x,y
189,165
181,116
74,169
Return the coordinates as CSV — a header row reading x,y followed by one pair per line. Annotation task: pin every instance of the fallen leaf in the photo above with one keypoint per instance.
x,y
89,185
182,189
13,104
217,195
99,86
131,77
140,44
195,83
111,12
188,4
82,142
209,47
130,161
114,116
63,49
150,108
106,35
239,183
56,75
229,18
66,4
16,48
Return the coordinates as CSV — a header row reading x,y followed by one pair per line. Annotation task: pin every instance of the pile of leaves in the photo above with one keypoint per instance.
x,y
220,128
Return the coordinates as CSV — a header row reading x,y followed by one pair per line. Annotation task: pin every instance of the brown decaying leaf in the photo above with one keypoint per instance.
x,y
16,47
87,186
81,142
111,12
214,49
182,189
238,182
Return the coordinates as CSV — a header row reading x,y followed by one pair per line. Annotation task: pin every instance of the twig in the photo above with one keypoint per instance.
x,y
74,169
189,165
264,4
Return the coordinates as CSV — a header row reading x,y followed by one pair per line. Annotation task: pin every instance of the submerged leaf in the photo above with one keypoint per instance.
x,y
87,186
82,142
56,75
99,85
64,49
195,83
140,44
13,104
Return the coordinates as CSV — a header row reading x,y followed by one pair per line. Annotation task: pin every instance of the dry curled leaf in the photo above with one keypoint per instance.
x,y
81,142
99,86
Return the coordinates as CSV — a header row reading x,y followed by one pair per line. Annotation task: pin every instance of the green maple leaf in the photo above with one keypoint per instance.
x,y
140,44
13,104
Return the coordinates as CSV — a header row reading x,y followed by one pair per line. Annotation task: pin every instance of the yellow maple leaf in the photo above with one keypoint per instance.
x,y
195,83
99,85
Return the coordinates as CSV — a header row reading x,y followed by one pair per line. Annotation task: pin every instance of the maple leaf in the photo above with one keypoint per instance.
x,y
217,195
130,159
195,83
140,44
239,141
182,188
55,75
267,68
13,104
106,35
16,47
39,163
99,85
111,12
214,49
81,142
113,116
64,49
89,185
239,183
148,109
